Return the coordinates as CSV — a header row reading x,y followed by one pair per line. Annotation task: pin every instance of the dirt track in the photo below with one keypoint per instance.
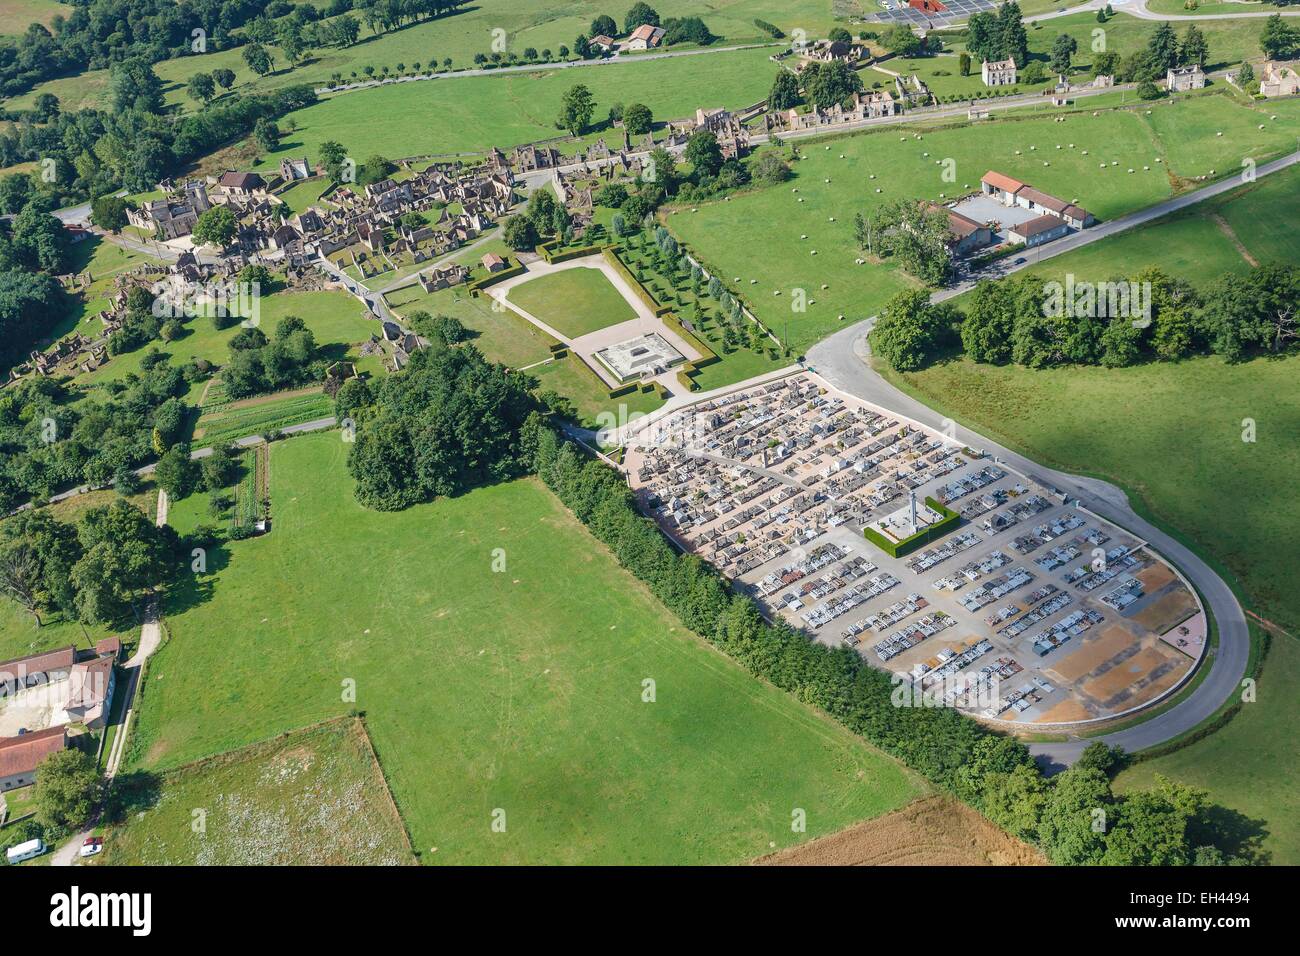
x,y
932,831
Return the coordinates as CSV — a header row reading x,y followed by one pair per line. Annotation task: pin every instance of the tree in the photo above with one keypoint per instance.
x,y
604,26
176,472
1163,47
1071,829
826,84
640,14
109,212
218,470
345,30
68,787
224,78
520,234
910,331
201,88
258,60
784,94
215,227
770,169
990,318
703,153
1013,40
917,235
901,40
20,578
1194,48
1063,48
134,86
266,134
637,119
334,158
964,63
1277,40
1105,64
577,110
1148,90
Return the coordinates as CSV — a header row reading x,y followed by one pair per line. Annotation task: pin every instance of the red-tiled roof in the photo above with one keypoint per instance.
x,y
60,660
999,181
1034,226
23,754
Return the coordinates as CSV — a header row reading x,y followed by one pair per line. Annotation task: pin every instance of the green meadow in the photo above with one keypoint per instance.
x,y
470,114
1075,155
515,692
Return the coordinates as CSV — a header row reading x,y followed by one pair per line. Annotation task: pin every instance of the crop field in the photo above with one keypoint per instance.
x,y
519,691
838,177
481,111
313,797
260,415
574,302
932,831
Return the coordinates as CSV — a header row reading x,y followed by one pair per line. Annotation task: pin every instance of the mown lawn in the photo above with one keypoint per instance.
x,y
574,302
518,691
313,798
502,335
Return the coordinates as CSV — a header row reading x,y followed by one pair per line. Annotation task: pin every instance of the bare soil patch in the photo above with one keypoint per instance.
x,y
931,831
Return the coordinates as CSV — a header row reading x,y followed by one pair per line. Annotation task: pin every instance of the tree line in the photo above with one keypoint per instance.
x,y
1075,817
1148,316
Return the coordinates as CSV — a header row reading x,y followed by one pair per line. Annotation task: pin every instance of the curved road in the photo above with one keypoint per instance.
x,y
842,359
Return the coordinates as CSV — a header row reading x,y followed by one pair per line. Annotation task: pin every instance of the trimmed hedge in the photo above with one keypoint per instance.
x,y
924,536
494,277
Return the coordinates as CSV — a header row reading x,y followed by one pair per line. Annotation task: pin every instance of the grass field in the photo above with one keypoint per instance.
x,y
541,24
335,318
314,797
17,15
574,302
503,336
908,165
518,691
468,114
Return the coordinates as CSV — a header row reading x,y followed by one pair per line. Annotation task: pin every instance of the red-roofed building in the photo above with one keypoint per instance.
x,y
1000,187
21,755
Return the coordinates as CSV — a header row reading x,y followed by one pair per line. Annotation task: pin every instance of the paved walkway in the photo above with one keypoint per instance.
x,y
588,345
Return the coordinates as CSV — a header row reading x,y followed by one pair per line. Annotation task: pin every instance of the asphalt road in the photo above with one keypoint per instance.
x,y
843,360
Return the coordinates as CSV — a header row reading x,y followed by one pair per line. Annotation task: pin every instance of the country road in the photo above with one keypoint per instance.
x,y
843,360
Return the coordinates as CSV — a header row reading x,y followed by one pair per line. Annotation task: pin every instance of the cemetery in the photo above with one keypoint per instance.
x,y
1027,608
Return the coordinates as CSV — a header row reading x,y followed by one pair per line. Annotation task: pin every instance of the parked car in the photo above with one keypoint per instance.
x,y
92,846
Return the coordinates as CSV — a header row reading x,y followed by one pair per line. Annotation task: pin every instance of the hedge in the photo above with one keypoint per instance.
x,y
924,536
493,278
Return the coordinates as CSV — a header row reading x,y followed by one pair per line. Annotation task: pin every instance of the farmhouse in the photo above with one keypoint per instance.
x,y
494,263
998,72
645,37
1037,231
1182,78
1278,79
602,43
967,234
21,756
1012,192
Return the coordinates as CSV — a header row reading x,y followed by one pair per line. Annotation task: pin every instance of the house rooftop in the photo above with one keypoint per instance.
x,y
1037,225
999,181
24,753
